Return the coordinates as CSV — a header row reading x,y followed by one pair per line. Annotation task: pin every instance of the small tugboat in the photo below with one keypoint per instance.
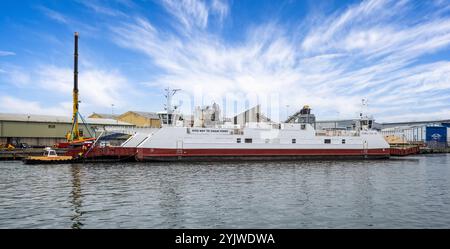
x,y
49,157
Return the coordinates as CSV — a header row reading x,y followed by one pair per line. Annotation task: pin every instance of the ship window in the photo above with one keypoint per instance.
x,y
303,126
81,133
327,141
343,141
51,126
248,140
294,141
238,140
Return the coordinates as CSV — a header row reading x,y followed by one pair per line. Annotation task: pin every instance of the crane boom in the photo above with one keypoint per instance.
x,y
75,132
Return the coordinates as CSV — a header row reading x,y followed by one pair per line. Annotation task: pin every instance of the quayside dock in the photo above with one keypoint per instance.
x,y
19,154
117,154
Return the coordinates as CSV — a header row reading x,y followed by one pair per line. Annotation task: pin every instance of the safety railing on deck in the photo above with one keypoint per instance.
x,y
337,133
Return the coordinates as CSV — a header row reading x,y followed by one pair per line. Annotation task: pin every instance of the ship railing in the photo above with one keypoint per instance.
x,y
238,132
337,133
276,126
130,130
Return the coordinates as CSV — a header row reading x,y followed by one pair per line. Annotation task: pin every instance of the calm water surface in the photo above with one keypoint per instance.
x,y
410,192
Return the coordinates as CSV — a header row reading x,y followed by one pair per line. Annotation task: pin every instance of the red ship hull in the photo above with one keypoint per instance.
x,y
149,154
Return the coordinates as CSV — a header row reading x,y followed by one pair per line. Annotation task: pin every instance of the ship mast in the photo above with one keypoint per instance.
x,y
168,95
364,118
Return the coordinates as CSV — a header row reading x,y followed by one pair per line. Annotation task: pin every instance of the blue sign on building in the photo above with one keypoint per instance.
x,y
436,134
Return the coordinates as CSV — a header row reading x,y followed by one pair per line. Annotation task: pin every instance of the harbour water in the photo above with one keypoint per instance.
x,y
408,192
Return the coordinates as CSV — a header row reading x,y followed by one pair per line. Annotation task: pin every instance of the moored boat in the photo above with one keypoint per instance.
x,y
261,140
257,141
49,157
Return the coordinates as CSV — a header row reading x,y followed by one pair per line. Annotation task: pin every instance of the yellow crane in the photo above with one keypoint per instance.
x,y
74,135
75,132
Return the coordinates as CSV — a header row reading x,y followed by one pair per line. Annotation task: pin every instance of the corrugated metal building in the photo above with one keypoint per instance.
x,y
416,123
409,133
448,132
431,135
448,136
45,130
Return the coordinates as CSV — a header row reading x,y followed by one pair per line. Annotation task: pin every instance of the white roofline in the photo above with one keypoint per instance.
x,y
13,117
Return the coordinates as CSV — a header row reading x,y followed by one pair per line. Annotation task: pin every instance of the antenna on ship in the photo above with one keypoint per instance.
x,y
364,104
365,120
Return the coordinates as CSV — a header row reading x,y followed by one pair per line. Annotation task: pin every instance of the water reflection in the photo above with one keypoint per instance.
x,y
363,198
76,200
171,198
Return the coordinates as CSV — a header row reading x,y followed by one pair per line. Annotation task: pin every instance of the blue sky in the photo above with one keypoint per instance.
x,y
238,53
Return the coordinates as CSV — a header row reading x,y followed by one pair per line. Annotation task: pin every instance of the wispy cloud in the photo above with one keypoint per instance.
x,y
6,53
99,8
194,14
88,29
97,87
127,3
15,75
220,8
190,13
19,105
54,15
369,50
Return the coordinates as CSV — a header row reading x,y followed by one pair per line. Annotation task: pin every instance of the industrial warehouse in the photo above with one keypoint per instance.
x,y
432,134
22,130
